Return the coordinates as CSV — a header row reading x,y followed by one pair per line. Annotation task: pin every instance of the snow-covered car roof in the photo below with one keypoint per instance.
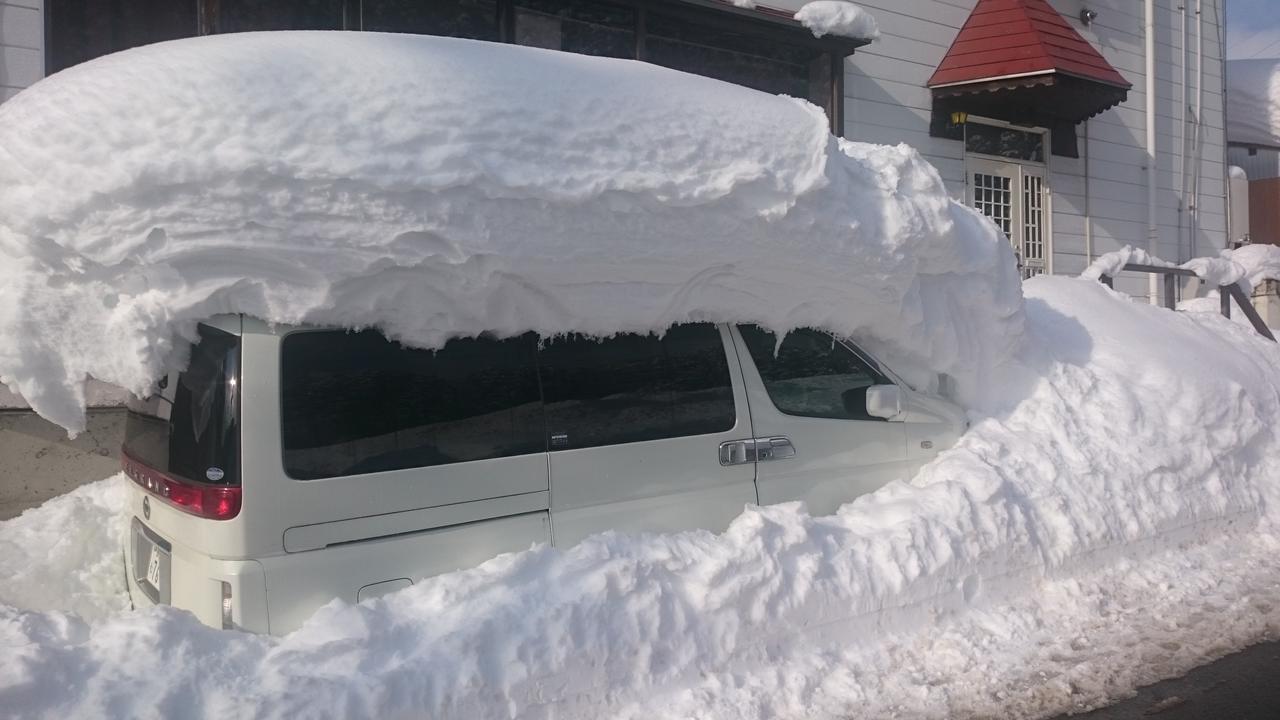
x,y
436,187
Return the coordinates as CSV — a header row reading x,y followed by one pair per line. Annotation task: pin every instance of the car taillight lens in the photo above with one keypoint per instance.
x,y
216,502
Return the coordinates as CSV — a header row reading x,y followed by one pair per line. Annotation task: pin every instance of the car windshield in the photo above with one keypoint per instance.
x,y
190,428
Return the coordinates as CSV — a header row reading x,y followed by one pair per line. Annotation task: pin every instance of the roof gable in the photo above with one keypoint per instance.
x,y
1012,38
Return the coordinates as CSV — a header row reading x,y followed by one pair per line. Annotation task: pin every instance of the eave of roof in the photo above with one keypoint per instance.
x,y
1013,38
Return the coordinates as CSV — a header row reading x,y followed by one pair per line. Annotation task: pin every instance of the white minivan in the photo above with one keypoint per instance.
x,y
287,466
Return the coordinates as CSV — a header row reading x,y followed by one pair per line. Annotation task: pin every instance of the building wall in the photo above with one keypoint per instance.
x,y
21,45
1103,209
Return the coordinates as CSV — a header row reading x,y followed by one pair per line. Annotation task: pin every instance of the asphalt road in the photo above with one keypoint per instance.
x,y
1243,686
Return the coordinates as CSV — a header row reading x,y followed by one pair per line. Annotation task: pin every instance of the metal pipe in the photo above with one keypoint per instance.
x,y
1149,22
1198,141
1088,215
1182,134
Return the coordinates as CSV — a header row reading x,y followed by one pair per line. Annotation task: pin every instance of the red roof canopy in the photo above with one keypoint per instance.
x,y
1006,39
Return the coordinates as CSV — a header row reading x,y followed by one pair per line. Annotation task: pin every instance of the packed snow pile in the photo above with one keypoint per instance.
x,y
66,553
1253,102
436,187
1109,519
837,17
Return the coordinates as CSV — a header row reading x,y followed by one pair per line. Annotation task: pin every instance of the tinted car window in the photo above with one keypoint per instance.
x,y
358,403
631,388
192,430
810,374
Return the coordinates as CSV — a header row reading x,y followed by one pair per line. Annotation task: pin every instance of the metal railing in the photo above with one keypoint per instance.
x,y
1226,293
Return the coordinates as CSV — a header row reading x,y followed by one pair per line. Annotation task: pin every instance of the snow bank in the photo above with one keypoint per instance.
x,y
65,554
837,17
435,187
1253,102
1109,519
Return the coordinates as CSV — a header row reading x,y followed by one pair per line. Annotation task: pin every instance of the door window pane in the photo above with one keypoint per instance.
x,y
475,19
224,16
632,388
810,374
356,403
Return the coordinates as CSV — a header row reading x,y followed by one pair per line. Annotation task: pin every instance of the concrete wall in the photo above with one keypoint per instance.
x,y
38,462
21,45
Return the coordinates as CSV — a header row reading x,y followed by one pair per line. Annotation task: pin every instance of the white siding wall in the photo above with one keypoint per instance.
x,y
886,101
21,45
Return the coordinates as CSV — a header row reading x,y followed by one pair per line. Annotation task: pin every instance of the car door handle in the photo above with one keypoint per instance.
x,y
761,449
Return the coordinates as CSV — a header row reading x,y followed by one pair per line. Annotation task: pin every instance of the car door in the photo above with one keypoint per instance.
x,y
635,423
807,397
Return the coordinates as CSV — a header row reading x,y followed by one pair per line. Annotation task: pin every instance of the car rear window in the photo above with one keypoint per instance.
x,y
191,428
356,402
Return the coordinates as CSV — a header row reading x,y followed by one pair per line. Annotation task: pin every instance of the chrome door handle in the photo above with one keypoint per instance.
x,y
741,452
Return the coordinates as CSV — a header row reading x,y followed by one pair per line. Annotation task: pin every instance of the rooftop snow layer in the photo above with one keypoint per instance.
x,y
837,17
1253,95
436,187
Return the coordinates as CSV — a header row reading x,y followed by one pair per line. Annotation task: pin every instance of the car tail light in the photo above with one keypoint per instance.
x,y
216,502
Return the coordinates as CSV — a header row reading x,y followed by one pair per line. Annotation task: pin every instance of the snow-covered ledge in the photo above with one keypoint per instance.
x,y
839,18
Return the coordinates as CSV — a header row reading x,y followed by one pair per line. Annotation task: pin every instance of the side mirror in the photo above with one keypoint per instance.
x,y
884,401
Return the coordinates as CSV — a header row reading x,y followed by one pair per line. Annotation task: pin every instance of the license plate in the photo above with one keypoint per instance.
x,y
153,569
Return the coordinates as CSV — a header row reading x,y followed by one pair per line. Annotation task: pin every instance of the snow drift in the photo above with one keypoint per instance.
x,y
435,187
1111,520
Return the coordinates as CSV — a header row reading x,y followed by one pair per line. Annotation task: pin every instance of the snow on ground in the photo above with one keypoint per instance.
x,y
66,553
1109,519
1253,90
837,17
435,187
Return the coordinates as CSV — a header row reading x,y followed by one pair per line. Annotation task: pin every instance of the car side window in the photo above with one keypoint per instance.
x,y
811,374
632,388
356,402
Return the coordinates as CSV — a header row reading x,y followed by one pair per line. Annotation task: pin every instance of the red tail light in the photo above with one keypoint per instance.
x,y
216,502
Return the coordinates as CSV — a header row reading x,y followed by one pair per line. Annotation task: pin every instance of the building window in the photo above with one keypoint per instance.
x,y
224,16
475,19
81,30
1006,181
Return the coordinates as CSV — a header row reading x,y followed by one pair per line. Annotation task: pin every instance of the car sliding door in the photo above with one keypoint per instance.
x,y
635,424
808,393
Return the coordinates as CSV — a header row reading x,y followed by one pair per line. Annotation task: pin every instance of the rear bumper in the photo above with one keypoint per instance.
x,y
195,582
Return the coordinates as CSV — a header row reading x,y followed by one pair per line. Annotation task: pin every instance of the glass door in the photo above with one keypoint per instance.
x,y
1015,197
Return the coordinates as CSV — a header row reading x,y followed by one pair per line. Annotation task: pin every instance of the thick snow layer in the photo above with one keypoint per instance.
x,y
436,187
1253,102
837,17
1108,520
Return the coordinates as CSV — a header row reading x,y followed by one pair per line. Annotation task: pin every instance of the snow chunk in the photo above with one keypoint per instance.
x,y
1113,263
1253,91
436,187
1248,265
837,17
